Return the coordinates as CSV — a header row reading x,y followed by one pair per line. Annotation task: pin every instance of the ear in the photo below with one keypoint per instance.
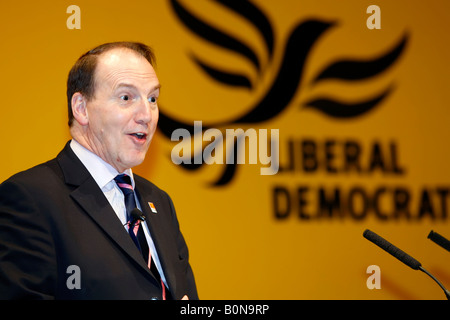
x,y
79,109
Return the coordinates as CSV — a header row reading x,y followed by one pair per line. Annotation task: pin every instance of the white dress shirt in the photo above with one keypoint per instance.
x,y
104,174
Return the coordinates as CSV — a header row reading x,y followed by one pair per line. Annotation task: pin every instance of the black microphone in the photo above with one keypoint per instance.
x,y
393,250
135,215
440,240
400,255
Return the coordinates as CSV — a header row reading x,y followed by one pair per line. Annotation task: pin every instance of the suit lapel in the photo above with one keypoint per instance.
x,y
97,206
90,197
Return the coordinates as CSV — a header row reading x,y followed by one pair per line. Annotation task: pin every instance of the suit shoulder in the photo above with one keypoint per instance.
x,y
36,174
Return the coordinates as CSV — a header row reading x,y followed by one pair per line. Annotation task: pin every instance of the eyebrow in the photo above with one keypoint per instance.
x,y
127,85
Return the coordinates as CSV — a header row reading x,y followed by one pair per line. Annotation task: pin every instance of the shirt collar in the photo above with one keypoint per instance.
x,y
101,171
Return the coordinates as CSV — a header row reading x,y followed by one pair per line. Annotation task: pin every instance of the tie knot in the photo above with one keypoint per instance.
x,y
124,183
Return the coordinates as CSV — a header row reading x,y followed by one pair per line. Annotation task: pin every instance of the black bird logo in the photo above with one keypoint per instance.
x,y
289,75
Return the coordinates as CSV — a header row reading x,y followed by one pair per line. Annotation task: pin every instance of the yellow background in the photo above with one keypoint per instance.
x,y
239,250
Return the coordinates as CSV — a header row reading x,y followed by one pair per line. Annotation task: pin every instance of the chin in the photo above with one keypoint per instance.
x,y
135,162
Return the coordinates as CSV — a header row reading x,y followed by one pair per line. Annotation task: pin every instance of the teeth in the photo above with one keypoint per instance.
x,y
139,135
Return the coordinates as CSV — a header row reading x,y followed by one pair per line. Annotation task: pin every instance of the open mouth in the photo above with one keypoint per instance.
x,y
139,136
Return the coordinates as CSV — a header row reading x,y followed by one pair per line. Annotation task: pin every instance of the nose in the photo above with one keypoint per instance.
x,y
145,113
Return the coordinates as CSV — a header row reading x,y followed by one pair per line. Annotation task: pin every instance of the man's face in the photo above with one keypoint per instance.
x,y
123,113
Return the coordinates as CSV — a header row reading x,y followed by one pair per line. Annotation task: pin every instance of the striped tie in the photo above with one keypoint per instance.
x,y
123,181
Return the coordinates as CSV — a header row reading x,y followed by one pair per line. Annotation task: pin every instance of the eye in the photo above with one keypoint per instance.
x,y
125,97
152,99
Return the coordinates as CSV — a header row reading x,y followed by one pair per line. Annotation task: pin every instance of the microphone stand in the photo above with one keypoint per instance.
x,y
447,293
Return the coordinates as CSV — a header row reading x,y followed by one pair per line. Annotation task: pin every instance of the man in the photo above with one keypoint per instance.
x,y
67,228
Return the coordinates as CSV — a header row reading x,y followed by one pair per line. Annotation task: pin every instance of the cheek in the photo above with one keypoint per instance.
x,y
112,124
155,118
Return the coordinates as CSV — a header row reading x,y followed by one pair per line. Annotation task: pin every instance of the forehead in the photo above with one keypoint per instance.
x,y
124,65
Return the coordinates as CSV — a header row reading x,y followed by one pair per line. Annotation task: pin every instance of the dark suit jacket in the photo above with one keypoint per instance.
x,y
54,216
